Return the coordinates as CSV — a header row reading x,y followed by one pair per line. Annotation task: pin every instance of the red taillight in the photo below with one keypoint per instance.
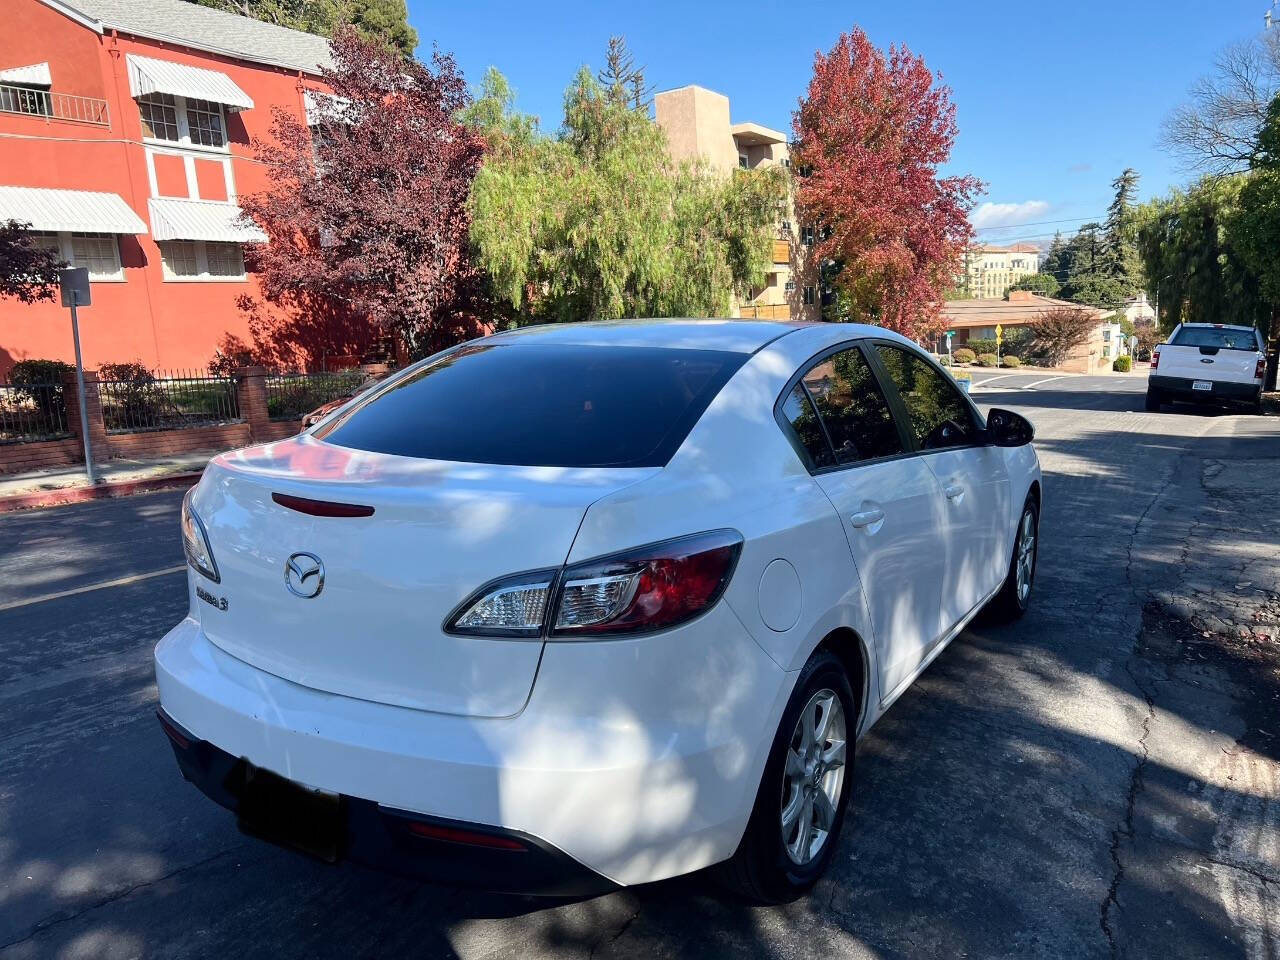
x,y
471,838
649,588
1260,370
1155,359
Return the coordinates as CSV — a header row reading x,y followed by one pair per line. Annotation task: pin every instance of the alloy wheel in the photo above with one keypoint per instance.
x,y
1026,555
813,776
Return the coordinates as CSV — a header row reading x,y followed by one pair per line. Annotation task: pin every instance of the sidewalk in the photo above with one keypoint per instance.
x,y
116,478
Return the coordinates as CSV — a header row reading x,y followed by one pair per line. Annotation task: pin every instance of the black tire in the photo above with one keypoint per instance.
x,y
1010,603
1155,399
761,871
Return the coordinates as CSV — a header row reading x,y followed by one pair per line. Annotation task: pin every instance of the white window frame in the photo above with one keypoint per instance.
x,y
202,274
66,251
184,128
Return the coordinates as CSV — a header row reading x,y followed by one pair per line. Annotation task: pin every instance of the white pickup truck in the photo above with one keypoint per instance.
x,y
1208,362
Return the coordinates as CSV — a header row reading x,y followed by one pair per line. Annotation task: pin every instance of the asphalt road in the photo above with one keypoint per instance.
x,y
1031,796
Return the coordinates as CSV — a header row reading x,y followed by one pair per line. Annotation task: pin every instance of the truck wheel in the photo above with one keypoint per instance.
x,y
1154,399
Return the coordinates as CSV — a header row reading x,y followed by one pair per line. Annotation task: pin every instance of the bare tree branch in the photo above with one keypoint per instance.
x,y
1216,129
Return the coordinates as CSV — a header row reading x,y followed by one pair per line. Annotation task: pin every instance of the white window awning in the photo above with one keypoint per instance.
x,y
35,75
174,219
147,75
72,211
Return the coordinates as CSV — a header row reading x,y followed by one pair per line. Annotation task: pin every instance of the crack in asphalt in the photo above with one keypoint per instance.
x,y
48,923
1136,779
626,925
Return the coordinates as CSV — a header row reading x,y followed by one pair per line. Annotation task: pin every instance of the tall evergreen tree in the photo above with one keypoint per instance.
x,y
622,80
1053,260
1122,261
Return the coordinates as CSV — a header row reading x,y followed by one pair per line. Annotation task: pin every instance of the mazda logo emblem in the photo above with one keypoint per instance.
x,y
304,575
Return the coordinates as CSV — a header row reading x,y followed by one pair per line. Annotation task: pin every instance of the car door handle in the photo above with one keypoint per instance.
x,y
953,491
866,518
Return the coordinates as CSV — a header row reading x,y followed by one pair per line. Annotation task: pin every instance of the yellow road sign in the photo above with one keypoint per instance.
x,y
999,333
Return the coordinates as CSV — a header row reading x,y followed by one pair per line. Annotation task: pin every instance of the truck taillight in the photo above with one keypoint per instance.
x,y
1260,370
1155,359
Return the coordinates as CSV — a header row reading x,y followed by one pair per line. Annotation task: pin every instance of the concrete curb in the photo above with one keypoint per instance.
x,y
102,491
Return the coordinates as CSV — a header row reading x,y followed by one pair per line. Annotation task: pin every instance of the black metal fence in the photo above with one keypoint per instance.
x,y
32,411
135,400
294,395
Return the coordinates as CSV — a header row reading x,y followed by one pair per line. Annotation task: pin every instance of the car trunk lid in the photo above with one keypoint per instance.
x,y
432,533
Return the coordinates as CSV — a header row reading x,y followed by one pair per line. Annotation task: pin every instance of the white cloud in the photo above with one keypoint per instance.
x,y
1007,214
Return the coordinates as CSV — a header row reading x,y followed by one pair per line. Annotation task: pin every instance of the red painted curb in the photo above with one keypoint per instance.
x,y
103,491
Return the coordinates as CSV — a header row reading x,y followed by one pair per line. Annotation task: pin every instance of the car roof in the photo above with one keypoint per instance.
x,y
1219,326
731,335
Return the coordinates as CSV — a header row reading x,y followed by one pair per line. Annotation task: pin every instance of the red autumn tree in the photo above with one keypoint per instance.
x,y
367,217
870,136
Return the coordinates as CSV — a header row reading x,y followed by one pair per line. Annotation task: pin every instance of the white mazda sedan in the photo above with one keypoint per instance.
x,y
582,606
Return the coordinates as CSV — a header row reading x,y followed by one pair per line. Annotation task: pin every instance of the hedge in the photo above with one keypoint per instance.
x,y
964,355
1122,364
1011,362
987,360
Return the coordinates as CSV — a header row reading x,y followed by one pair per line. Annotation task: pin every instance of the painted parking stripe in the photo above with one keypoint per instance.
x,y
1038,382
1003,376
104,585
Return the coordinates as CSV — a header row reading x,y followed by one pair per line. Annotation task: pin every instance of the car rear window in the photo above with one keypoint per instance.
x,y
1223,338
530,404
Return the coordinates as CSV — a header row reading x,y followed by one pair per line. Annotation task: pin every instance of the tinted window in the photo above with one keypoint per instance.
x,y
531,404
1220,337
939,415
852,408
804,421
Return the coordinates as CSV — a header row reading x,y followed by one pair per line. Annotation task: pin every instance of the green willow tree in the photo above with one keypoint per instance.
x,y
384,20
599,222
1194,259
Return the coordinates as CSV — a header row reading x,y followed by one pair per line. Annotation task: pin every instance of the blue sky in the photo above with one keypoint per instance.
x,y
1053,98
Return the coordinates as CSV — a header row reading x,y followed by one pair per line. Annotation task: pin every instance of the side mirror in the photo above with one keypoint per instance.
x,y
1008,429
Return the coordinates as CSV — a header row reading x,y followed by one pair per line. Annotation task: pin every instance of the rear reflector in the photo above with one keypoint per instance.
x,y
471,838
322,508
172,732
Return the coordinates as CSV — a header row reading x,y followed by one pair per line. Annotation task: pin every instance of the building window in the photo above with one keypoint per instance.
x,y
810,295
179,258
98,252
204,121
202,260
806,236
225,259
742,161
789,286
159,117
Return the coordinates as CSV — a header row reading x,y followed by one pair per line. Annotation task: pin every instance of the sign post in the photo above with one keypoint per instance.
x,y
999,340
950,359
75,293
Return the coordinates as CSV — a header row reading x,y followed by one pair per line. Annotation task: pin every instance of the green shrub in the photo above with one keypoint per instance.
x,y
39,383
986,359
964,355
1122,364
131,397
1011,361
943,359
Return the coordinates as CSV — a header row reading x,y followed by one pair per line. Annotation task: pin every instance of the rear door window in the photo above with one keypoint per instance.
x,y
530,404
938,413
853,411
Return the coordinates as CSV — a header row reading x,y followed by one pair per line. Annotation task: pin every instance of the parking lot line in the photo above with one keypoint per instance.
x,y
1037,383
105,584
1003,376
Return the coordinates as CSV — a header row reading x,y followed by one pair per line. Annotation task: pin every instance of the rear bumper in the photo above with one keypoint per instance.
x,y
426,848
1181,387
636,760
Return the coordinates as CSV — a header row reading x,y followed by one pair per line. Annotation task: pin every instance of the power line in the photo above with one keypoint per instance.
x,y
1041,223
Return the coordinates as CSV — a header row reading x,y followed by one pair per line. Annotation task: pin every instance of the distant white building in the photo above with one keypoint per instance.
x,y
1138,309
993,270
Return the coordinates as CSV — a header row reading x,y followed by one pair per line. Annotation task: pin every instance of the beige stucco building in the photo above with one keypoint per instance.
x,y
696,122
993,270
